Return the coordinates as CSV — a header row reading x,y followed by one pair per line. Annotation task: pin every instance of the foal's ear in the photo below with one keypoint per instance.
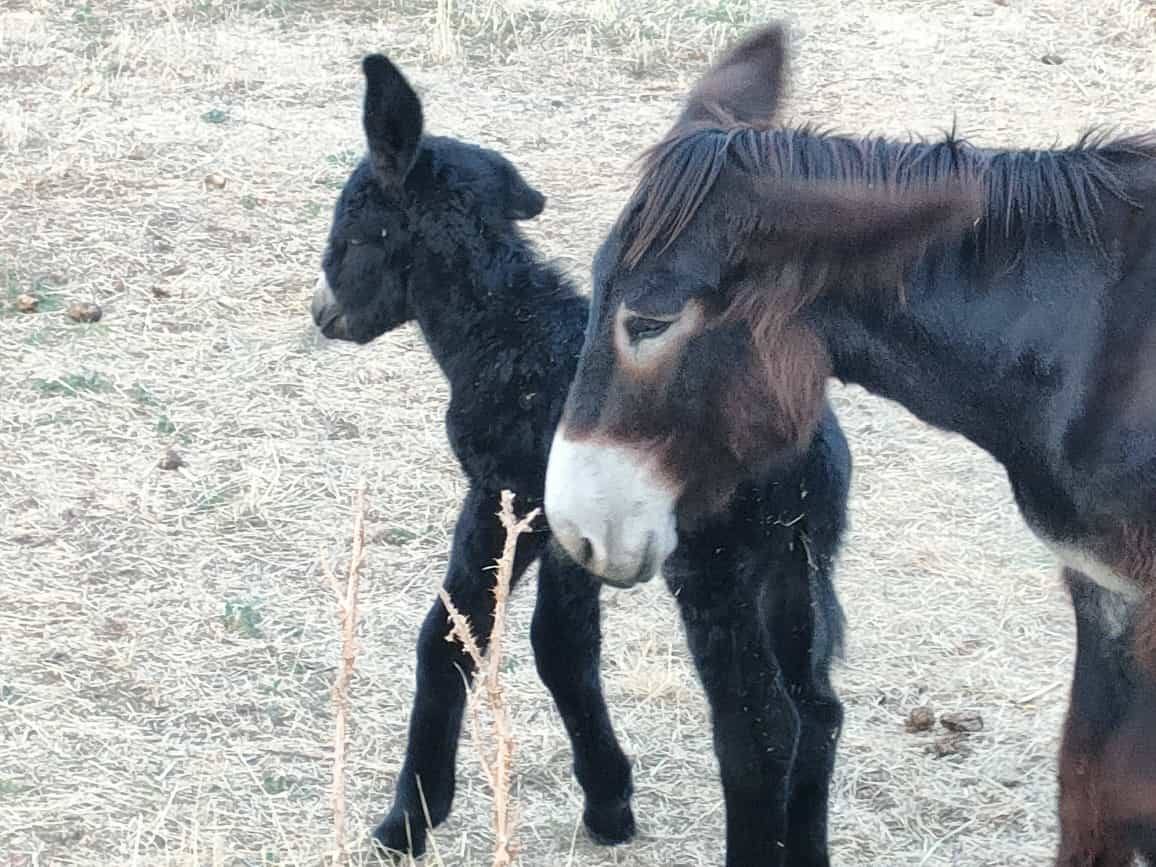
x,y
847,222
744,87
392,119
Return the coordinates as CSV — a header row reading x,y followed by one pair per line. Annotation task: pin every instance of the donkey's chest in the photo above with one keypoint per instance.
x,y
1120,558
1111,540
1083,558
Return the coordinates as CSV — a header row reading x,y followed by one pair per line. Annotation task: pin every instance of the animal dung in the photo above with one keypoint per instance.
x,y
960,725
921,719
949,745
84,311
26,303
965,722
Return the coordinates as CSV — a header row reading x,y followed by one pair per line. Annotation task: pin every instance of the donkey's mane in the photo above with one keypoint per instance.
x,y
1026,189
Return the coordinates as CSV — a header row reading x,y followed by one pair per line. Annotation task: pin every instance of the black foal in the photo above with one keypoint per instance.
x,y
425,230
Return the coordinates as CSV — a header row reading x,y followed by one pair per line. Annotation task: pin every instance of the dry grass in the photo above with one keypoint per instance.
x,y
169,652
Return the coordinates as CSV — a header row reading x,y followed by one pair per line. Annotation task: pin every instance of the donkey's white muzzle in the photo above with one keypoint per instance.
x,y
610,509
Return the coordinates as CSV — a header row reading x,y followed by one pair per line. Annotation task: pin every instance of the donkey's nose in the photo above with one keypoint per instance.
x,y
585,551
323,299
581,546
609,509
326,311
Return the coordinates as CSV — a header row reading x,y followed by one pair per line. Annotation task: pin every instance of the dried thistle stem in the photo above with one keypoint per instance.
x,y
497,762
347,608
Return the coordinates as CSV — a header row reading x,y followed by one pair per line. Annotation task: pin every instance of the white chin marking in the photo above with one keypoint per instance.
x,y
610,509
321,287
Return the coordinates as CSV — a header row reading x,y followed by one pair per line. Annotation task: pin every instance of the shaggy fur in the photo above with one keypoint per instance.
x,y
425,230
1026,189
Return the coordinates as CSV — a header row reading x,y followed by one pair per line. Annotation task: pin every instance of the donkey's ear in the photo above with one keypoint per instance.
x,y
745,87
392,119
849,222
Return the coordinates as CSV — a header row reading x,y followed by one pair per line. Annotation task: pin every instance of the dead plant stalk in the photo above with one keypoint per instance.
x,y
497,760
347,597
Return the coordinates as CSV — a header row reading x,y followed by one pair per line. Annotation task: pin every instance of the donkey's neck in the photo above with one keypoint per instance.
x,y
1003,362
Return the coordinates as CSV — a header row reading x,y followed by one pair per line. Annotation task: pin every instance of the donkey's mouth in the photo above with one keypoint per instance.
x,y
326,312
647,569
332,326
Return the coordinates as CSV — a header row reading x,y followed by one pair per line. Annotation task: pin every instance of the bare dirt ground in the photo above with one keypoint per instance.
x,y
167,641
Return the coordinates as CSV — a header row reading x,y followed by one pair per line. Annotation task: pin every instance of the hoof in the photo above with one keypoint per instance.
x,y
609,824
395,838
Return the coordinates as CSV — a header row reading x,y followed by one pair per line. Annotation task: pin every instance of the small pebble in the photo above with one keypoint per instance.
x,y
1052,59
171,460
215,181
27,303
84,311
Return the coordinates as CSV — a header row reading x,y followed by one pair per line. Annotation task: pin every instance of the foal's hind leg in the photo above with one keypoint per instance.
x,y
567,638
1101,691
425,787
756,727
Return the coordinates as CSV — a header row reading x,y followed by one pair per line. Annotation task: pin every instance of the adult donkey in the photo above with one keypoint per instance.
x,y
1009,296
426,230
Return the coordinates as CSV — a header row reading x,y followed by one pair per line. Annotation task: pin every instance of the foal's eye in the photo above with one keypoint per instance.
x,y
644,328
355,242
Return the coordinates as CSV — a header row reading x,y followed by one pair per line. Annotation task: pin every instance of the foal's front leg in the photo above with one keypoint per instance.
x,y
806,626
567,638
425,786
756,726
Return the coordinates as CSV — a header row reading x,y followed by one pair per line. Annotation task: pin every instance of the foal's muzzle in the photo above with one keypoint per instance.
x,y
610,510
327,315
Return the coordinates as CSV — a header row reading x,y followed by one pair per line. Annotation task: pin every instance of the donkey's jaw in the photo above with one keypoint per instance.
x,y
610,510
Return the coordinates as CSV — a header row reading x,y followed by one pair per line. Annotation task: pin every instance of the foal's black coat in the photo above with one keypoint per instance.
x,y
424,230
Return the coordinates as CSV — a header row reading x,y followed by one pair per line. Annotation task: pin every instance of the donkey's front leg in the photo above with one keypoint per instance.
x,y
567,637
756,726
1102,689
425,786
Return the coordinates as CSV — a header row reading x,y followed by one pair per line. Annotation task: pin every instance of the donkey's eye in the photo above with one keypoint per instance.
x,y
644,328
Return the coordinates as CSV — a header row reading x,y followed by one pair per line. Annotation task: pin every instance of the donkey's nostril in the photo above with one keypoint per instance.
x,y
585,551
